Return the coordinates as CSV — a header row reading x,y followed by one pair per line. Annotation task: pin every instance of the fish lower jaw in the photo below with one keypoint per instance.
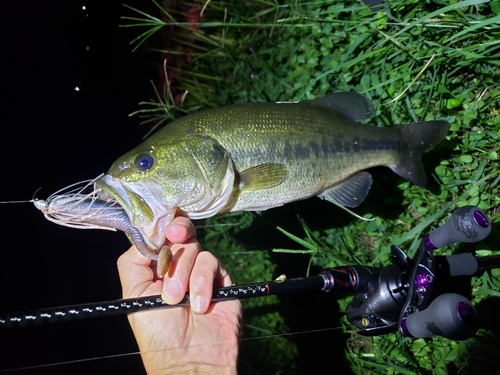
x,y
154,233
148,215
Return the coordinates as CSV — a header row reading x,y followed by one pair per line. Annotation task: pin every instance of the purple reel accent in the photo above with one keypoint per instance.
x,y
466,313
423,280
481,219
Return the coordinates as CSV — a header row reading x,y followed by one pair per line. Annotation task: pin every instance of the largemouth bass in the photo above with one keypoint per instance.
x,y
256,156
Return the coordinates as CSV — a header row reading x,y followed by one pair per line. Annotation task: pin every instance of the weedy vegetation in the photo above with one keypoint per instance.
x,y
416,60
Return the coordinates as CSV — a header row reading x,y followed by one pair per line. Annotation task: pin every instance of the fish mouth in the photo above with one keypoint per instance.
x,y
142,205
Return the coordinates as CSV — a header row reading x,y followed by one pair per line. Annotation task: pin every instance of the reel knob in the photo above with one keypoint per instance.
x,y
467,224
449,315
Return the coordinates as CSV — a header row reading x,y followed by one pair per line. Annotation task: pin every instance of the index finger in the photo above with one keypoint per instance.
x,y
206,274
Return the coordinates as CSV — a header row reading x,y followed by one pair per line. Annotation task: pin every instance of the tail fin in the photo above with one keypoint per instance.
x,y
415,140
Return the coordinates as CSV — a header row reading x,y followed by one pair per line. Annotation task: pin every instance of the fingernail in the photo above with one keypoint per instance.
x,y
199,304
172,289
178,225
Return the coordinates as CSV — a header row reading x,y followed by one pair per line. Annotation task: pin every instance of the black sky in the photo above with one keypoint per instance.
x,y
53,135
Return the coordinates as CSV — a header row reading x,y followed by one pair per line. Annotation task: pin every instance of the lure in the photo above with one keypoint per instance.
x,y
80,206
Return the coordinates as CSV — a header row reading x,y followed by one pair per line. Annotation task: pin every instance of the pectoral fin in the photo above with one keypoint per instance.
x,y
263,176
351,192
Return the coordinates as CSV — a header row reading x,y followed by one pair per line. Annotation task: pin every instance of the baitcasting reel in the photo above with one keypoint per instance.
x,y
401,296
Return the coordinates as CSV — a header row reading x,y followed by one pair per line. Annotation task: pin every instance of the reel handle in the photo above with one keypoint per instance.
x,y
449,315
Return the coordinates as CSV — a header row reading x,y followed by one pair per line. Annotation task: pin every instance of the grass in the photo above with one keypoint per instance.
x,y
416,61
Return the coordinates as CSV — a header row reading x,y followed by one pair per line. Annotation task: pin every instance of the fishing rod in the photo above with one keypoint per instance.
x,y
404,296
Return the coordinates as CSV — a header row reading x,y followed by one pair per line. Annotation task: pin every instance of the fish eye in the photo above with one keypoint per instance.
x,y
144,162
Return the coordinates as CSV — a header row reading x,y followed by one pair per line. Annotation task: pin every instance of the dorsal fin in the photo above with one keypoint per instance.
x,y
355,106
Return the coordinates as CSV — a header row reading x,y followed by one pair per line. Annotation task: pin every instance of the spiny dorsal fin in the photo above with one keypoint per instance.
x,y
263,176
351,192
355,106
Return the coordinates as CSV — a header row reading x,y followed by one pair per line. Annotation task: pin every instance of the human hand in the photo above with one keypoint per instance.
x,y
201,338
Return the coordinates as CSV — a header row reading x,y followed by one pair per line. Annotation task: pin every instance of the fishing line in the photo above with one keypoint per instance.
x,y
75,361
86,184
30,201
129,354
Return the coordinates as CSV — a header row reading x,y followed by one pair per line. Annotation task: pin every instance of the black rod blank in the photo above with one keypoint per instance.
x,y
130,305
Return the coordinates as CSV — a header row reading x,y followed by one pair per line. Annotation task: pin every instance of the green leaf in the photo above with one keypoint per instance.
x,y
495,7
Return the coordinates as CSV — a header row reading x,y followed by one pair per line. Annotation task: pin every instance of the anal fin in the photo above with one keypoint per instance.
x,y
351,192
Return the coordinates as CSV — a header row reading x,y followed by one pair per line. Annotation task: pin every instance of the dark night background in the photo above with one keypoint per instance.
x,y
52,136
